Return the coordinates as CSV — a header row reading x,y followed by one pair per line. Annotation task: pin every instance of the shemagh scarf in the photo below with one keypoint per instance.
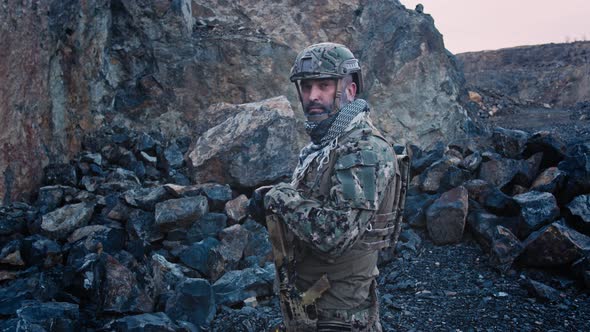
x,y
320,147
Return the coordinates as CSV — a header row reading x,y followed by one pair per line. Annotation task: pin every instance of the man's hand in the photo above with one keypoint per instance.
x,y
256,204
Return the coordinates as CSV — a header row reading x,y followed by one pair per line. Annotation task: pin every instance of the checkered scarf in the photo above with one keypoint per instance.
x,y
345,120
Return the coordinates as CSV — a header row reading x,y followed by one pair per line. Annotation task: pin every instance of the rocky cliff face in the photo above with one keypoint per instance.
x,y
555,74
157,65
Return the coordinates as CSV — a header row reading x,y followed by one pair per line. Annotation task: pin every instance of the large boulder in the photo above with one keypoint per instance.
x,y
193,301
258,145
555,245
60,223
537,209
236,286
579,209
509,142
48,316
121,292
180,212
445,218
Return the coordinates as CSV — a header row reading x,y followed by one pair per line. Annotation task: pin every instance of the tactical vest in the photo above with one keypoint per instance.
x,y
383,231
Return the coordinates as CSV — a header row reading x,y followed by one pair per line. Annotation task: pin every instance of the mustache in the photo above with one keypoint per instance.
x,y
324,108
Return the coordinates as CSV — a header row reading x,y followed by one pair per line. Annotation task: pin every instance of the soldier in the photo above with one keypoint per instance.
x,y
341,206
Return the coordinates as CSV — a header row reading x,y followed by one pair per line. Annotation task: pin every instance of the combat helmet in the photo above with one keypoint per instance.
x,y
326,60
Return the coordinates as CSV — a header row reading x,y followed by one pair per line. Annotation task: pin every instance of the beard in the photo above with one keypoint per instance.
x,y
315,111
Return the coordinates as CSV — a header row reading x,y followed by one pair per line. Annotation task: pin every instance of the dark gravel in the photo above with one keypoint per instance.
x,y
451,288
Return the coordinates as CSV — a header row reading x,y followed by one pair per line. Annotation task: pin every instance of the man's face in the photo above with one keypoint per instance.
x,y
318,98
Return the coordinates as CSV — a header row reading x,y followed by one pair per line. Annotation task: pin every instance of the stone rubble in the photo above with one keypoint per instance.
x,y
146,249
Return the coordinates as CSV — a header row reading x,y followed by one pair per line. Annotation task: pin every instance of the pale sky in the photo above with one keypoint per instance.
x,y
476,25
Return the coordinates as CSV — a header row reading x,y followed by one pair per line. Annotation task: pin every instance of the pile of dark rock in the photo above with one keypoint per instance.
x,y
119,239
525,198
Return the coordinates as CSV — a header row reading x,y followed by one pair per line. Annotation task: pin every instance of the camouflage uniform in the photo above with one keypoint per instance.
x,y
329,211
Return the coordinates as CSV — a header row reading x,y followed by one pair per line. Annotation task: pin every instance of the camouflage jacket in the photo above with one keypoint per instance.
x,y
332,206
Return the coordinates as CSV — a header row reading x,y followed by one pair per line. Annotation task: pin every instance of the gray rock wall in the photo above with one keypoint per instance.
x,y
76,66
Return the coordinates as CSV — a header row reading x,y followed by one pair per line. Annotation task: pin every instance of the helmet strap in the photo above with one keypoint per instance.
x,y
337,96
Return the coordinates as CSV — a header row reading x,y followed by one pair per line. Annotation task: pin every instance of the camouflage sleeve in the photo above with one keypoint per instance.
x,y
332,226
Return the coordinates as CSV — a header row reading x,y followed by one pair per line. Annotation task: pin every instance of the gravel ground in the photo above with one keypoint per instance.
x,y
451,288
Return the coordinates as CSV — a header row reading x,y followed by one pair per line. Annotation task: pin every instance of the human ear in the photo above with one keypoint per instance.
x,y
351,91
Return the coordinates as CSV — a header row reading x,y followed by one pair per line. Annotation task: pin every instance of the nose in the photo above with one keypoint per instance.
x,y
314,93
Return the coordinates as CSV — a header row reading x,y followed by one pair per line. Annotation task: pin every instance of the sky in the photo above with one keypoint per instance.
x,y
477,25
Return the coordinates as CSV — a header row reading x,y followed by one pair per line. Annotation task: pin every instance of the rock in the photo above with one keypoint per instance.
x,y
145,142
173,157
409,240
577,166
445,218
11,224
51,197
267,128
193,301
118,155
554,245
579,208
180,212
39,250
236,286
509,143
537,209
151,160
42,286
92,158
157,321
49,316
484,226
505,248
229,252
118,181
471,162
60,223
197,255
431,179
415,209
217,195
146,198
142,226
454,177
10,253
97,237
91,183
237,209
551,180
167,274
60,174
541,291
499,172
491,198
120,290
258,245
552,146
421,161
208,226
581,269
